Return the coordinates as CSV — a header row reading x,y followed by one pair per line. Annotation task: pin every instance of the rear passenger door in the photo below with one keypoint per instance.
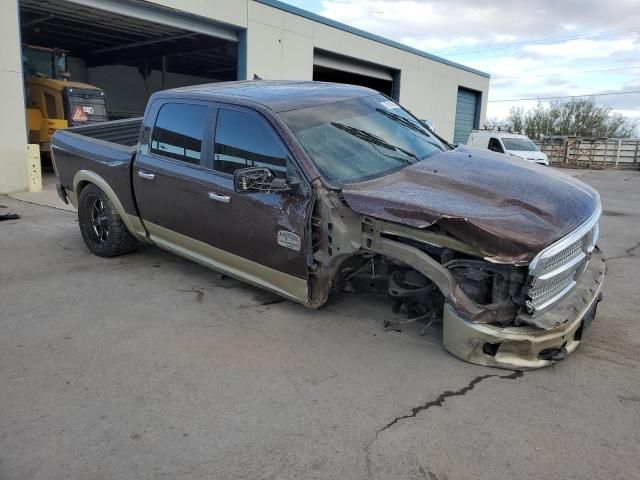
x,y
169,168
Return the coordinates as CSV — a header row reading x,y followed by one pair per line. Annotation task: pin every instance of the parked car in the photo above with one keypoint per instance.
x,y
509,143
307,188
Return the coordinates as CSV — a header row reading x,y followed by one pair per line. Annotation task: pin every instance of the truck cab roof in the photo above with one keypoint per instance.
x,y
277,95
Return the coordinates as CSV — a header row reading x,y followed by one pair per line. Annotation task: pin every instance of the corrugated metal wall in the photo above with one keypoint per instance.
x,y
466,115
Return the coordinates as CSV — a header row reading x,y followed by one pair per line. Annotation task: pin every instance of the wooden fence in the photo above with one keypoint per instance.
x,y
582,152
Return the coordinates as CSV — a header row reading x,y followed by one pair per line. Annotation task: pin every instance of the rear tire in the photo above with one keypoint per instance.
x,y
102,229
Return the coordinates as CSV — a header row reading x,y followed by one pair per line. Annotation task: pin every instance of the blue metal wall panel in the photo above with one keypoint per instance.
x,y
466,115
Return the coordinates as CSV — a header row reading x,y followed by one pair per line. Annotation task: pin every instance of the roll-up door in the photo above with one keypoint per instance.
x,y
331,67
467,116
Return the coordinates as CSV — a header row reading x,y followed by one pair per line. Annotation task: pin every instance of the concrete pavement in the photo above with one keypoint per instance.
x,y
149,367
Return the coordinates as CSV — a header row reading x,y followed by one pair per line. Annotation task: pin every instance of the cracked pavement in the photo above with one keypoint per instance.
x,y
449,393
149,367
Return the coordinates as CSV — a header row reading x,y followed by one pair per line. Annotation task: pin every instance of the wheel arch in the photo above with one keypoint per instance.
x,y
83,178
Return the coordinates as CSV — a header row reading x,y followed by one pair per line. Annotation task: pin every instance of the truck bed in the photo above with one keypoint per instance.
x,y
123,132
104,149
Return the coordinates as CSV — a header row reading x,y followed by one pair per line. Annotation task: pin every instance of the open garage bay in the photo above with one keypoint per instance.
x,y
130,52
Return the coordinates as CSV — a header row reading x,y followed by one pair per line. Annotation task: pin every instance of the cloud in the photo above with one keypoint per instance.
x,y
489,21
531,49
555,81
624,102
578,49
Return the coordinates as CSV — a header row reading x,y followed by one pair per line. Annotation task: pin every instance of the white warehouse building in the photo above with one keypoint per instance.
x,y
132,48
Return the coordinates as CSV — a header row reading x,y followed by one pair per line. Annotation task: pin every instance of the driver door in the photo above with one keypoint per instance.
x,y
263,234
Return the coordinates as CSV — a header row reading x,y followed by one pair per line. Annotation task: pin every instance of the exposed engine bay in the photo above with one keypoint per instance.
x,y
412,295
385,262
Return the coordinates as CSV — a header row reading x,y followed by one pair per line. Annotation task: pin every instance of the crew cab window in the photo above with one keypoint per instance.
x,y
245,140
178,132
494,144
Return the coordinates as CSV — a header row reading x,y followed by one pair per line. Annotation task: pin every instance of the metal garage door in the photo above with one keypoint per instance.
x,y
337,62
158,14
332,67
466,115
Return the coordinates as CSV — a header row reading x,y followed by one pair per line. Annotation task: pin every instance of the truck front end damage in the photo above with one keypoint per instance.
x,y
497,248
527,346
486,310
507,314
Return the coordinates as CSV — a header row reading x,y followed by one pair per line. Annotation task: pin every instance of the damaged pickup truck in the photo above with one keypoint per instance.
x,y
307,188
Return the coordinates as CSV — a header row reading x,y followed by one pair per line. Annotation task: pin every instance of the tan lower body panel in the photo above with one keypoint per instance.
x,y
288,286
73,199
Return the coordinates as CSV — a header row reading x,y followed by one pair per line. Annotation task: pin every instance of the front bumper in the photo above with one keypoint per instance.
x,y
528,347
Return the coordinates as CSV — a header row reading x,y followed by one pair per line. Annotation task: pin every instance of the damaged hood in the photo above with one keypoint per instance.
x,y
506,207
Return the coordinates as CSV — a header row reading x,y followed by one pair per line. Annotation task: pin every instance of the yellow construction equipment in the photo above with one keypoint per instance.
x,y
52,100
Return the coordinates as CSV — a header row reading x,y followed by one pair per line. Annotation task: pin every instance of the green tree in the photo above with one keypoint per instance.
x,y
580,117
494,124
516,119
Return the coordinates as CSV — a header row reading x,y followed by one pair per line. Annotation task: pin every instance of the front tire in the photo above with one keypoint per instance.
x,y
102,229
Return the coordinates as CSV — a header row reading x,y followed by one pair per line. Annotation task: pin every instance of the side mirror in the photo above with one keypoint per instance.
x,y
258,179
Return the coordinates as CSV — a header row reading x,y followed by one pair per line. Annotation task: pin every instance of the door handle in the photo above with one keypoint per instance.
x,y
146,175
219,198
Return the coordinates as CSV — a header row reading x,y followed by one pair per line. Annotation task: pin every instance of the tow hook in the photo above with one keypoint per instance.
x,y
553,354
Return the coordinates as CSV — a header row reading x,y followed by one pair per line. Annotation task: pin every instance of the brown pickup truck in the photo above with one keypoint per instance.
x,y
307,188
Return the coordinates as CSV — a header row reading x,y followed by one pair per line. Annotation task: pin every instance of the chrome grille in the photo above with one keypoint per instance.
x,y
550,289
562,257
557,269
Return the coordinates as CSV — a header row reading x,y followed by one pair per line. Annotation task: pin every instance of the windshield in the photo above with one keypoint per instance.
x,y
39,63
519,144
360,139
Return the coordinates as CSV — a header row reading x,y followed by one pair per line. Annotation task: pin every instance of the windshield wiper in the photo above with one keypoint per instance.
x,y
373,139
407,123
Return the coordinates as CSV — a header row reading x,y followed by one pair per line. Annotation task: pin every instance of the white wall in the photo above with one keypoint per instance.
x,y
279,46
13,132
233,12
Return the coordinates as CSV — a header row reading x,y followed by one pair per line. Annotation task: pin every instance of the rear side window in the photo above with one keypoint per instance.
x,y
179,131
244,140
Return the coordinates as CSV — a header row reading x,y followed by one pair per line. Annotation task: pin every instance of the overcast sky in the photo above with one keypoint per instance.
x,y
535,48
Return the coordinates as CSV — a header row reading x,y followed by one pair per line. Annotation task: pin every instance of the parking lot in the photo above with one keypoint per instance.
x,y
149,366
